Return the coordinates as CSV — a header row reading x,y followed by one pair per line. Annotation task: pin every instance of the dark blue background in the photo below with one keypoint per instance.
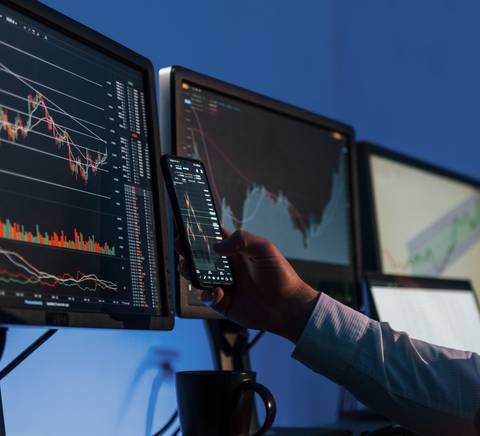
x,y
404,73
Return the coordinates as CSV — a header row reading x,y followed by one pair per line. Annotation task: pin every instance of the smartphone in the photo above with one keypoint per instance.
x,y
197,221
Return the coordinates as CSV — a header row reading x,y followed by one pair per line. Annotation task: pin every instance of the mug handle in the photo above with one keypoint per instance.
x,y
268,400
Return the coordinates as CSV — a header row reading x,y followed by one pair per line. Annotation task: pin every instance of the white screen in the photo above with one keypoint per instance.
x,y
449,318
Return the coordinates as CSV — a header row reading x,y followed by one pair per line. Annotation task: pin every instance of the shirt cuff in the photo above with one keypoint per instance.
x,y
330,338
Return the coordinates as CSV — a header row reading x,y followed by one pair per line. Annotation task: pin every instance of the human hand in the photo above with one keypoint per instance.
x,y
268,294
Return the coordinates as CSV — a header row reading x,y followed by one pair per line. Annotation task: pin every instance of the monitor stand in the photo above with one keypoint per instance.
x,y
17,361
229,345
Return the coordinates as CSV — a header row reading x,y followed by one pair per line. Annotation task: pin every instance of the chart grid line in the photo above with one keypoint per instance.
x,y
35,179
46,98
49,107
36,150
56,90
49,63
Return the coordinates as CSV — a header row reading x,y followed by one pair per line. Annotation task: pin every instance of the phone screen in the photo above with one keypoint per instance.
x,y
196,210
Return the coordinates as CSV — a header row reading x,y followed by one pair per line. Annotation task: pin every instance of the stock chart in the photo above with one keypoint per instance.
x,y
201,225
277,176
428,225
76,208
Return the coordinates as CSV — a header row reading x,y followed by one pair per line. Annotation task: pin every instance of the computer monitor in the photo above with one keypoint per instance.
x,y
81,207
419,220
442,312
276,170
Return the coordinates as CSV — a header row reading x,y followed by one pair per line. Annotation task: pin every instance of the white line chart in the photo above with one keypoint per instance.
x,y
27,274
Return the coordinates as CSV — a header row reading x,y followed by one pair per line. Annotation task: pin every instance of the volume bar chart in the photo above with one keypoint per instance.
x,y
10,230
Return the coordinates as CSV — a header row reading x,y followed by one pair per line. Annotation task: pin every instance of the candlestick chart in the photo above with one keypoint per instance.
x,y
54,152
34,125
199,220
58,224
81,160
195,232
77,209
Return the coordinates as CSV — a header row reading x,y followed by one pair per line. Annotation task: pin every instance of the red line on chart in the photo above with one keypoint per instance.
x,y
248,181
29,274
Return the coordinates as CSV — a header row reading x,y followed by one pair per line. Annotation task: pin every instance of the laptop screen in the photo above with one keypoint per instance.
x,y
441,312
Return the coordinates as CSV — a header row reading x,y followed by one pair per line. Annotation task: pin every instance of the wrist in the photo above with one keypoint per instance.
x,y
297,312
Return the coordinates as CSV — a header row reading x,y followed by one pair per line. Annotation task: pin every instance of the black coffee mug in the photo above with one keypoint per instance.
x,y
220,403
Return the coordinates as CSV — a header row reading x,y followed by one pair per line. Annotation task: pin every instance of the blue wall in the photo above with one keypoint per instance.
x,y
404,73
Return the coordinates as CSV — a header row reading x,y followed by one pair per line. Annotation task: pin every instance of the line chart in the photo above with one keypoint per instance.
x,y
247,150
77,218
443,242
13,231
80,162
299,217
27,274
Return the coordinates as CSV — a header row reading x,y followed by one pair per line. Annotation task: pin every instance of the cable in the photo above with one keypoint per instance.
x,y
3,340
253,342
17,361
176,432
168,424
25,353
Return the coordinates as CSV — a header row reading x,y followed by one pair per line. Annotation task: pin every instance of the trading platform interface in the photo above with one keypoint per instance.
x,y
76,210
277,176
200,220
428,224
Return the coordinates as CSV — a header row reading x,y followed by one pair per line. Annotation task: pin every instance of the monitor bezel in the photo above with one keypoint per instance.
x,y
371,250
176,74
372,278
83,34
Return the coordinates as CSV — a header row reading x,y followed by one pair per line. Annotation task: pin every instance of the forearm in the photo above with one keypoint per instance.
x,y
430,389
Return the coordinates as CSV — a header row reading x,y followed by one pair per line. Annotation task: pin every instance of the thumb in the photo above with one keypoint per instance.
x,y
218,300
243,242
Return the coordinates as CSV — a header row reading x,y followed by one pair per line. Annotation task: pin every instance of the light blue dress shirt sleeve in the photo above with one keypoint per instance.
x,y
430,389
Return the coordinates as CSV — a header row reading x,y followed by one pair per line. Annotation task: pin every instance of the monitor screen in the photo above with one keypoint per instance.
x,y
77,214
428,223
277,173
445,314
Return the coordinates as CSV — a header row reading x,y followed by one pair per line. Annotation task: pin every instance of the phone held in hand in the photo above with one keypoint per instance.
x,y
197,221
